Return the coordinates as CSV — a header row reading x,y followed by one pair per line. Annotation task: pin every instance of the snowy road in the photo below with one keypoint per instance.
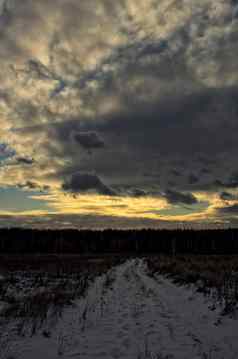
x,y
128,314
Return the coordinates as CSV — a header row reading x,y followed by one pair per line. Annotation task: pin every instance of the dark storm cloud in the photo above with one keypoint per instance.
x,y
205,171
30,185
174,197
229,210
25,160
34,186
234,176
89,140
226,196
191,127
193,179
137,192
230,183
153,87
176,173
83,182
182,127
187,120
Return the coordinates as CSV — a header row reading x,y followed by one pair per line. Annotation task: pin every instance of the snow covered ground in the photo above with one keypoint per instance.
x,y
128,314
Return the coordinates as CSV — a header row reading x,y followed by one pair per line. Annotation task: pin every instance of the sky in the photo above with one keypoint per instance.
x,y
118,113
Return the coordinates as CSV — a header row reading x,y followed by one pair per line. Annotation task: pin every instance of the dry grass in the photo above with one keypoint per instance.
x,y
214,276
38,296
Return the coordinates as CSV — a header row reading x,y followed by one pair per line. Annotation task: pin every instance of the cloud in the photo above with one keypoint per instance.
x,y
25,160
233,209
149,88
6,151
29,184
83,182
89,140
176,173
175,197
34,186
226,196
138,192
230,183
193,179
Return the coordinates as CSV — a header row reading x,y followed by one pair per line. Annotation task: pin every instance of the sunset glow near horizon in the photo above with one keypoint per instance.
x,y
118,113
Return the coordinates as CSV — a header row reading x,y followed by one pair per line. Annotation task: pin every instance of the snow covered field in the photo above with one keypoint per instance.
x,y
126,313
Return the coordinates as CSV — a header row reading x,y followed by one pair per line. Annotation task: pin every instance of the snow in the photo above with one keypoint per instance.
x,y
129,314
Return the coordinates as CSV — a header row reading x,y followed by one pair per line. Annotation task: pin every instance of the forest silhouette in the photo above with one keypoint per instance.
x,y
180,241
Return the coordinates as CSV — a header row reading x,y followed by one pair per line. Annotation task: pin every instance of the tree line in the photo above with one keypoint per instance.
x,y
32,241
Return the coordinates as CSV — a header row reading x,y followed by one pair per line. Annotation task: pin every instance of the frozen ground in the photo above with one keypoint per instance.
x,y
128,314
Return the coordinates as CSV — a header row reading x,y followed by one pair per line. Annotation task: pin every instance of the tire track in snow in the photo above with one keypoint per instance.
x,y
129,314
